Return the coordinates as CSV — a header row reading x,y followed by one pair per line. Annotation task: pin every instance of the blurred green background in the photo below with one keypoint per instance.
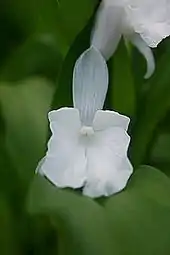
x,y
39,44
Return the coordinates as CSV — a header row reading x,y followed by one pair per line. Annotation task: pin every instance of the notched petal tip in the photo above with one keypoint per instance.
x,y
108,168
113,184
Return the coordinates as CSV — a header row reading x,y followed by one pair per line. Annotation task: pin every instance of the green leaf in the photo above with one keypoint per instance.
x,y
135,221
122,85
45,32
24,110
139,216
11,33
10,183
160,154
153,109
81,224
161,148
62,17
74,15
63,94
39,55
8,240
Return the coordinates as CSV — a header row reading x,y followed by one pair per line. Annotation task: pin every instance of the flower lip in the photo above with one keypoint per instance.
x,y
88,146
90,157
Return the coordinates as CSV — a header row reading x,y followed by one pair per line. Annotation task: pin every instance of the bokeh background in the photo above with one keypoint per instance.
x,y
40,41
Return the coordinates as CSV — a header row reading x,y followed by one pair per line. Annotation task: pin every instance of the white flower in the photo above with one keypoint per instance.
x,y
144,22
88,147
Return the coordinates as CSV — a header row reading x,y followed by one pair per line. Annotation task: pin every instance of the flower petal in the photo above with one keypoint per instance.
x,y
106,33
151,19
65,162
67,119
107,119
90,84
108,168
146,51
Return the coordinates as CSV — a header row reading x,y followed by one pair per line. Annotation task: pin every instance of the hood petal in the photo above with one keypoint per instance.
x,y
108,168
107,31
90,84
65,163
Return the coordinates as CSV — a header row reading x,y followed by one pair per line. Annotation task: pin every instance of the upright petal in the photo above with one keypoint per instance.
x,y
106,33
146,51
108,168
65,162
90,84
151,19
107,119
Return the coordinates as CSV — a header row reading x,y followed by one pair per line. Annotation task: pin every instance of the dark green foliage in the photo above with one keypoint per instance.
x,y
40,42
